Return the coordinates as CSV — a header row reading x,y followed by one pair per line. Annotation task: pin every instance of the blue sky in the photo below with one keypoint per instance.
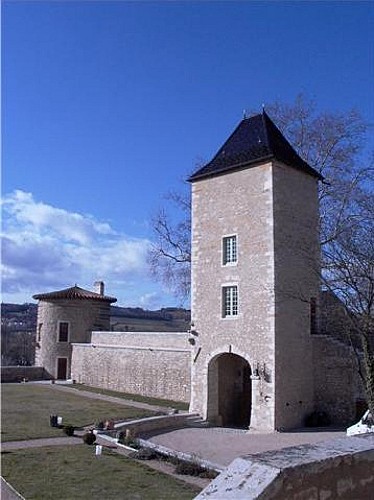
x,y
107,106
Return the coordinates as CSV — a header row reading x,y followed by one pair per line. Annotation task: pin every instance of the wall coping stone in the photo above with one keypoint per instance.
x,y
250,476
130,347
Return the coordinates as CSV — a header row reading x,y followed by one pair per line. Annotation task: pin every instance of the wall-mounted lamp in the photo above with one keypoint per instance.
x,y
260,372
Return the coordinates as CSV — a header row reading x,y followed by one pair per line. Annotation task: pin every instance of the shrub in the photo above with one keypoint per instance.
x,y
188,468
69,430
128,440
194,469
89,438
145,454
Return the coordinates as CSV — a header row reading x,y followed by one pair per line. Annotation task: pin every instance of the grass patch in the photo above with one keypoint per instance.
x,y
134,397
74,472
26,409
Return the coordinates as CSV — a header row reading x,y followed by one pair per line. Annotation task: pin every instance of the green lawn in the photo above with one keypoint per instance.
x,y
26,409
67,473
134,397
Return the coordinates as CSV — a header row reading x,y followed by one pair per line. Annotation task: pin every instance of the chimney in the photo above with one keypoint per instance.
x,y
99,287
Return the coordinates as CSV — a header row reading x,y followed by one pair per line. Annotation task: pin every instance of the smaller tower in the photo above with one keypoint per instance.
x,y
64,317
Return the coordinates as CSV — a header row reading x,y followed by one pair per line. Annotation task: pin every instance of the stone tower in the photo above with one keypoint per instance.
x,y
255,260
65,317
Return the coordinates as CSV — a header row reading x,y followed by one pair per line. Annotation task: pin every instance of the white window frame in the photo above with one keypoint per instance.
x,y
227,254
58,332
232,311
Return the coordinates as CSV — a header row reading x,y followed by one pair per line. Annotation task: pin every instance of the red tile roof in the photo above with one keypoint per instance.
x,y
74,293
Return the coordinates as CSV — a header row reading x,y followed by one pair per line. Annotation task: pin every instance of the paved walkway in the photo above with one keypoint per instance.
x,y
221,446
38,443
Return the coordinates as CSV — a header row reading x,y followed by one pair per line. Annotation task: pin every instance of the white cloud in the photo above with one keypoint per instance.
x,y
46,248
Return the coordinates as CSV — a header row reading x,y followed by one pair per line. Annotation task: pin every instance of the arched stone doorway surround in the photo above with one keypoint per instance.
x,y
229,389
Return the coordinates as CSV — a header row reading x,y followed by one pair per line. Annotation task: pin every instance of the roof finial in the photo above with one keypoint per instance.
x,y
263,107
244,114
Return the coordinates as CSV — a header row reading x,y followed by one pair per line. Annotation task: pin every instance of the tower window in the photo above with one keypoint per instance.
x,y
230,254
229,301
63,331
40,326
313,316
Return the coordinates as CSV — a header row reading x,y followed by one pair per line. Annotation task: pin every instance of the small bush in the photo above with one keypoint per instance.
x,y
188,469
145,454
128,440
209,474
89,438
194,469
69,430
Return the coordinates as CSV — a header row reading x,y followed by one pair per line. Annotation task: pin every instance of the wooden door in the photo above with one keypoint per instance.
x,y
62,365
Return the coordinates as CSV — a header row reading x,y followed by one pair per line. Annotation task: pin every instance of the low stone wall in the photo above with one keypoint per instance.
x,y
18,373
149,364
340,468
151,424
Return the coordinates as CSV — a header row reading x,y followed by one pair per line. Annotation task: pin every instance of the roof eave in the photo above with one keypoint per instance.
x,y
231,168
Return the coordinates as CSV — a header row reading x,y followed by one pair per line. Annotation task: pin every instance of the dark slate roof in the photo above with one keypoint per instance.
x,y
256,139
74,293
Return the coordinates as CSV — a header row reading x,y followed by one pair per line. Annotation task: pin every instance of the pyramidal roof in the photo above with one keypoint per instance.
x,y
255,139
74,293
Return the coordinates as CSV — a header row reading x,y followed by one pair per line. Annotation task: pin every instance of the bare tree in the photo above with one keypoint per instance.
x,y
348,273
169,257
332,143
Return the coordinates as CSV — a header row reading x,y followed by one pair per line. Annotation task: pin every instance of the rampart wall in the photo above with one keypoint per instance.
x,y
153,364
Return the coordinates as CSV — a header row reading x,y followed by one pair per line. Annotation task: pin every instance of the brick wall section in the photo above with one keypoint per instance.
x,y
238,203
337,382
83,317
149,364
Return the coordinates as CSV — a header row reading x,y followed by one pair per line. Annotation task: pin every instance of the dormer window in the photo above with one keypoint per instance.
x,y
229,250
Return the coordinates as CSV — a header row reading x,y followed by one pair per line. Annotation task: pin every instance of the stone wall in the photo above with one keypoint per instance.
x,y
149,364
239,203
296,269
341,468
336,380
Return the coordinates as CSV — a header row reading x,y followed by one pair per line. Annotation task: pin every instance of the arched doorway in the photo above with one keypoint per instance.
x,y
229,391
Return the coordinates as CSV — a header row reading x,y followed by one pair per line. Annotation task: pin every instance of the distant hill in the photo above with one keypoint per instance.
x,y
22,317
136,319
